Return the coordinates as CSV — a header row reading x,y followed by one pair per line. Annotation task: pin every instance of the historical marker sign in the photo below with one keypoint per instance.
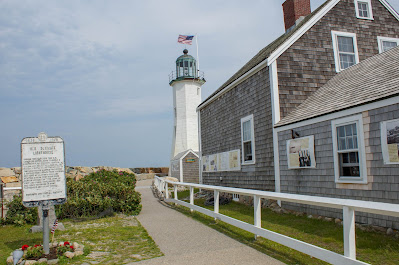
x,y
43,170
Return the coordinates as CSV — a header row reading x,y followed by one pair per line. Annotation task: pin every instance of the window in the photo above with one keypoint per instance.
x,y
345,50
247,139
363,9
385,44
348,147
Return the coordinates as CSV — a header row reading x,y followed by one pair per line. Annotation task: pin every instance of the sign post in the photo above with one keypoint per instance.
x,y
43,176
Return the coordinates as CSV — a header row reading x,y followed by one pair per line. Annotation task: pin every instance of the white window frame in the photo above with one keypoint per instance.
x,y
370,11
381,39
247,118
334,35
361,149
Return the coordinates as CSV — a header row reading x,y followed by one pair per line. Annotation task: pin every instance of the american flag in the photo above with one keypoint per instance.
x,y
185,39
54,226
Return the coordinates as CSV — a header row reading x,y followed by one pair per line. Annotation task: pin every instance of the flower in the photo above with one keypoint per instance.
x,y
66,243
24,247
37,246
71,247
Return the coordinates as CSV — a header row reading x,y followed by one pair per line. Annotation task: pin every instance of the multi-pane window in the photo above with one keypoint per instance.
x,y
385,44
363,9
348,153
247,136
345,50
348,147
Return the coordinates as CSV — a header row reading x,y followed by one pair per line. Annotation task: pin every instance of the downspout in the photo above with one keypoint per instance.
x,y
199,146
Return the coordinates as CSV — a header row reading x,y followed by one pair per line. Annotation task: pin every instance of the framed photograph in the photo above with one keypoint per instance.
x,y
390,141
300,153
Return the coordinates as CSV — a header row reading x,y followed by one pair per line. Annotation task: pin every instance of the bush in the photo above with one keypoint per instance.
x,y
99,192
34,252
18,214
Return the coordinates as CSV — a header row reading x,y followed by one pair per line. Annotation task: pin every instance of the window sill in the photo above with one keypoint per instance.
x,y
366,18
351,180
247,163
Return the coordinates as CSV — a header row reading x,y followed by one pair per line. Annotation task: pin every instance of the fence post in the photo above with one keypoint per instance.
x,y
166,190
191,197
257,212
216,202
175,191
349,232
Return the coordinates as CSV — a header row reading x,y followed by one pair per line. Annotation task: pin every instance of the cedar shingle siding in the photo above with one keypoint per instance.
x,y
321,180
309,62
190,169
221,131
303,68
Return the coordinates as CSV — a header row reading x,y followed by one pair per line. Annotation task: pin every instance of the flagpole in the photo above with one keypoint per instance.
x,y
198,63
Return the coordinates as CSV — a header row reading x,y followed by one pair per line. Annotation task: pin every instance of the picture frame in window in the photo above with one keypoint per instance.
x,y
390,141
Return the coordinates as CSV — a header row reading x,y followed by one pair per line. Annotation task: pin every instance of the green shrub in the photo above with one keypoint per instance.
x,y
99,192
18,214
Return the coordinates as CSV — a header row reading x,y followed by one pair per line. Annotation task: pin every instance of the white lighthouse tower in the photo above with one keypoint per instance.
x,y
186,83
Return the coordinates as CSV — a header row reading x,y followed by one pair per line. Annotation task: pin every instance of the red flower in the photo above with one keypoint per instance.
x,y
24,247
66,243
71,247
36,246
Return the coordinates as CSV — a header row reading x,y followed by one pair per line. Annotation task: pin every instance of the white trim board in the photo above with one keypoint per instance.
x,y
339,114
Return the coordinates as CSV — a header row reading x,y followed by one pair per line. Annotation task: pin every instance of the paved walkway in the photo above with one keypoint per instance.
x,y
186,241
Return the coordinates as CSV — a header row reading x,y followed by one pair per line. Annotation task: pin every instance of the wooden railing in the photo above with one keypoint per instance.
x,y
347,206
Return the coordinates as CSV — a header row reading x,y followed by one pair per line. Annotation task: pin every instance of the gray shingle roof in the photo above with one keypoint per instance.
x,y
181,154
265,52
373,79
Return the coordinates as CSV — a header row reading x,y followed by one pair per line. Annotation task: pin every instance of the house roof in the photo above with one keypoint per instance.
x,y
265,52
275,48
183,154
373,79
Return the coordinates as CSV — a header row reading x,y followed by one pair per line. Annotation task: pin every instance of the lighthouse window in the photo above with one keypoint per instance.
x,y
185,64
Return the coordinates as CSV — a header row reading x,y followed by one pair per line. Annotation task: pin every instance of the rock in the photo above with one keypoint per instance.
x,y
78,253
17,170
21,262
86,170
389,231
53,245
328,219
378,228
69,254
75,245
30,262
10,260
52,261
337,221
136,256
78,177
310,216
42,260
320,217
172,179
277,210
6,172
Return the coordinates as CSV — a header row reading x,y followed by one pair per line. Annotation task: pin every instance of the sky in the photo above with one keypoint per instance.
x,y
96,72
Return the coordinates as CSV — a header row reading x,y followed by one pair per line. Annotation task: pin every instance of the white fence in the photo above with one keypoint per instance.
x,y
348,207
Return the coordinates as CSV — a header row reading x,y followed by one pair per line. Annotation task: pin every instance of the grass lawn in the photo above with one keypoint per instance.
x,y
113,240
372,247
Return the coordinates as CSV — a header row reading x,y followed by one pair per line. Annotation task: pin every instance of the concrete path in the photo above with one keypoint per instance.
x,y
186,241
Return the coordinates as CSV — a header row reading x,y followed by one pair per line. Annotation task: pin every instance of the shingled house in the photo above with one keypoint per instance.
x,y
238,140
349,132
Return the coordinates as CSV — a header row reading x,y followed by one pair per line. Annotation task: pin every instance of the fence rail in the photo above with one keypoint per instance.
x,y
348,207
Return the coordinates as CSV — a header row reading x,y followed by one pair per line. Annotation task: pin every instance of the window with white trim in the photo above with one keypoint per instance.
x,y
385,43
247,140
363,9
345,49
348,148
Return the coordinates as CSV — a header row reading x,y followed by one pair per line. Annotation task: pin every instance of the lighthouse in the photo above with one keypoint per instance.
x,y
186,82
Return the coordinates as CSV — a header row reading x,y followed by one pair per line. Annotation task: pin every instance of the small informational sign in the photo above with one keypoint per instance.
x,y
390,141
43,170
190,160
300,153
226,161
